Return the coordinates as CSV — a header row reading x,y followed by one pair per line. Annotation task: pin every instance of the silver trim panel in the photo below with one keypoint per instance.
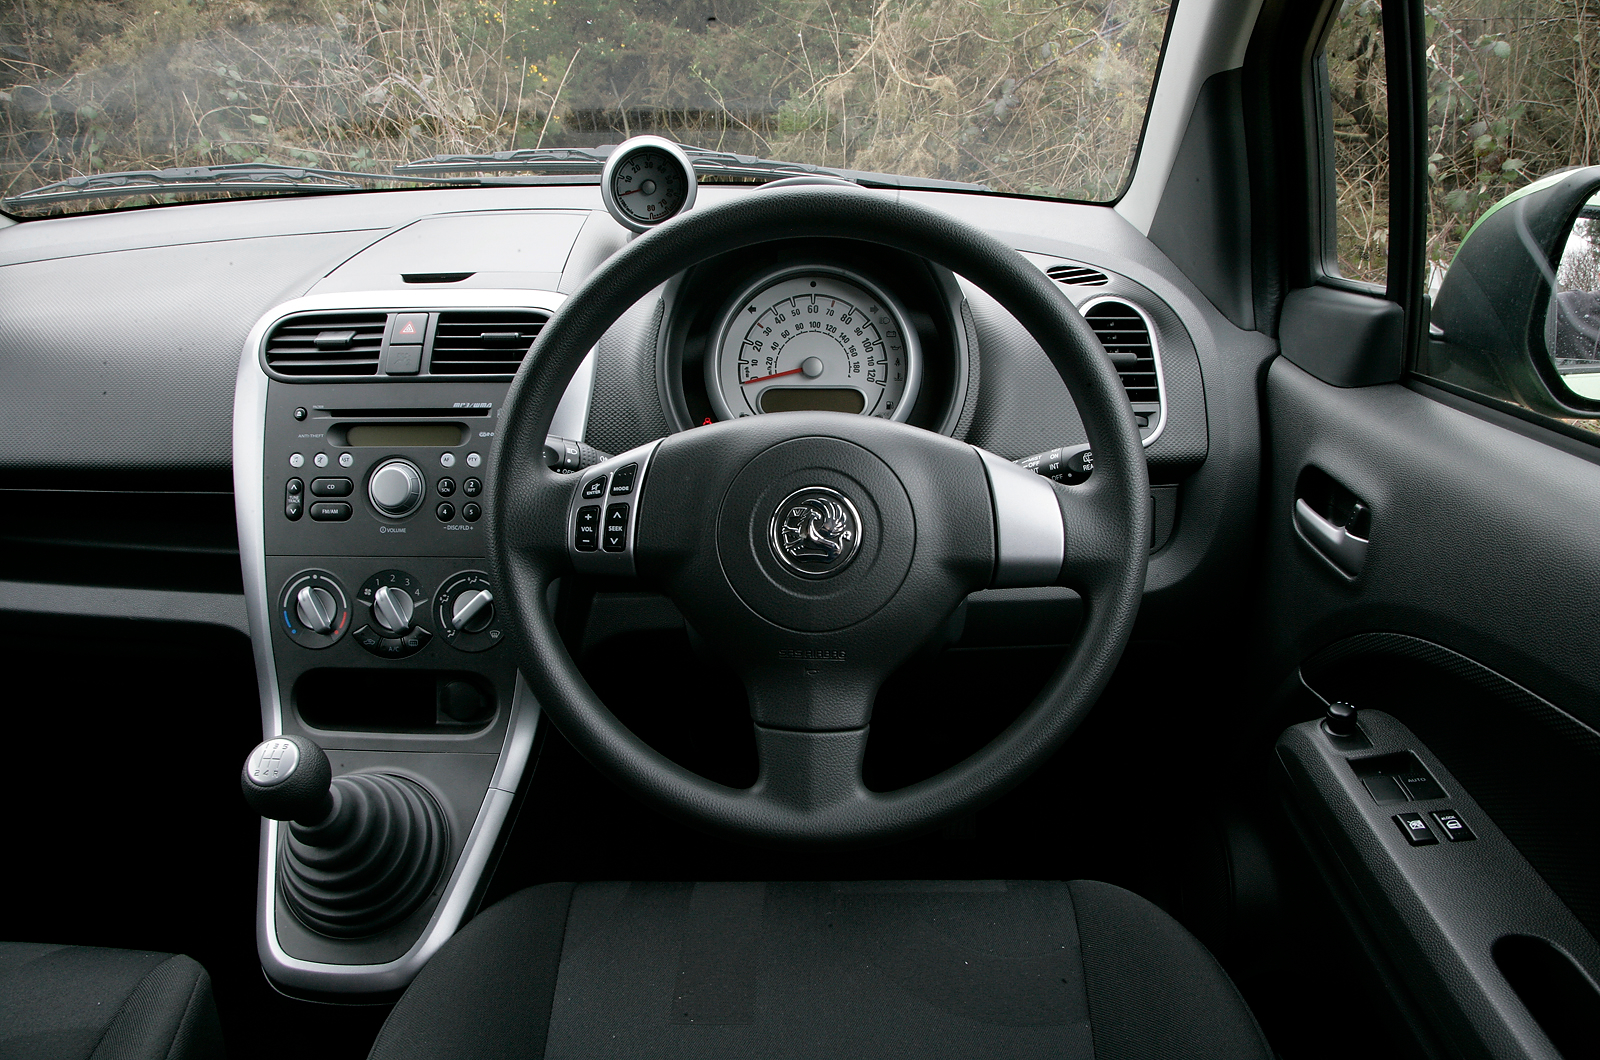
x,y
1030,537
95,601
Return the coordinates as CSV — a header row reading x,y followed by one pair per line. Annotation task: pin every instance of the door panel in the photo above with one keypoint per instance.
x,y
1482,539
1466,631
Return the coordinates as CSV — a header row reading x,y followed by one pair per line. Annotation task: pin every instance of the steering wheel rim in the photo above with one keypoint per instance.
x,y
812,797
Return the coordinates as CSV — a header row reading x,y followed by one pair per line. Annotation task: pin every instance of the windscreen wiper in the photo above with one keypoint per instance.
x,y
707,163
245,176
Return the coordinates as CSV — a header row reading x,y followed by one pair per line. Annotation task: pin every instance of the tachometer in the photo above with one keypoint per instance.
x,y
647,180
813,338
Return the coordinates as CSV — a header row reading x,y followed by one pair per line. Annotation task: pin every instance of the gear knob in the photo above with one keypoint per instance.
x,y
287,778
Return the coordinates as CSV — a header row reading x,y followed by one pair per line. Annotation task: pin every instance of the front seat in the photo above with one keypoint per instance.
x,y
864,969
89,1003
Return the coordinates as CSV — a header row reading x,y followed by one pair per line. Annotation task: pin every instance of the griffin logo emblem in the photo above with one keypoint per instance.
x,y
815,532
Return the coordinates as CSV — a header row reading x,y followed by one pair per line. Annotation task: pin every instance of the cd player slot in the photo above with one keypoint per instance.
x,y
403,413
397,435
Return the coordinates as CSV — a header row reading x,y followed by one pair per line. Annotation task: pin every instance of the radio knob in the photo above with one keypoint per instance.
x,y
316,608
391,609
473,611
396,488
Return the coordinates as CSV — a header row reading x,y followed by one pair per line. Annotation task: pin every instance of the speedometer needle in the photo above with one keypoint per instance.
x,y
774,375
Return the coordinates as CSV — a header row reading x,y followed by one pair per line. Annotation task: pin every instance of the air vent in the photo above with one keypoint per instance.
x,y
327,344
1076,275
1126,337
483,343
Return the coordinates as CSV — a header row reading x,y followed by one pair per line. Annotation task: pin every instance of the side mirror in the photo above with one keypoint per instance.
x,y
1518,314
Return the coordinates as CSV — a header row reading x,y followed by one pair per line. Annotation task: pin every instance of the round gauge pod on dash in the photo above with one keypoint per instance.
x,y
647,180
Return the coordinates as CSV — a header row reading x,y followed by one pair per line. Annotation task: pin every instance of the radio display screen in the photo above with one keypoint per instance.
x,y
391,435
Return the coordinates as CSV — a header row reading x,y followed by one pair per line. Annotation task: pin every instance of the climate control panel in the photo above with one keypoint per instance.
x,y
393,614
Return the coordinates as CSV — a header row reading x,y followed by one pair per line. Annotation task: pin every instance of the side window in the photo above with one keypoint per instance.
x,y
1359,115
1513,120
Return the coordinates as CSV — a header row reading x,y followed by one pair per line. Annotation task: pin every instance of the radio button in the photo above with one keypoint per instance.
x,y
345,460
294,487
472,487
297,460
447,459
469,512
473,459
321,460
330,512
446,511
331,487
446,487
292,508
395,489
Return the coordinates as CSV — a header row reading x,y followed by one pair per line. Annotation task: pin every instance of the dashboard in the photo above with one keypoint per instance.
x,y
338,365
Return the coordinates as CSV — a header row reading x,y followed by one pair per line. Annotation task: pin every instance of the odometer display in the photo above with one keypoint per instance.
x,y
813,339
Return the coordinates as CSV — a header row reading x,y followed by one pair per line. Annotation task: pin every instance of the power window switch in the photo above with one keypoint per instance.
x,y
1421,786
1415,829
1453,827
1384,788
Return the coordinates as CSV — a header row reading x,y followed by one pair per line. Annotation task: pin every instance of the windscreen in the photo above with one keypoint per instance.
x,y
1020,96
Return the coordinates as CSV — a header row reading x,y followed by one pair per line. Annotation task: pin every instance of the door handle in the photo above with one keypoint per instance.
x,y
1336,543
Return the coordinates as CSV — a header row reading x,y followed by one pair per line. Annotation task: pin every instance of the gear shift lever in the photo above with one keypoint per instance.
x,y
362,849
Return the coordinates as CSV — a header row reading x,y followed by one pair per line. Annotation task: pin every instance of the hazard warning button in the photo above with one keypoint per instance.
x,y
409,328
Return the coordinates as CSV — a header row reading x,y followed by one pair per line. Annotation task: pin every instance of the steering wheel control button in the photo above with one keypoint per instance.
x,y
614,535
1415,829
474,459
464,608
446,511
586,530
470,512
447,459
330,511
395,488
445,486
472,487
595,487
815,532
1453,827
622,481
331,487
297,460
313,609
272,763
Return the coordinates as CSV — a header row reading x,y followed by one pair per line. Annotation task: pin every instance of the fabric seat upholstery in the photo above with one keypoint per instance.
x,y
88,1003
863,969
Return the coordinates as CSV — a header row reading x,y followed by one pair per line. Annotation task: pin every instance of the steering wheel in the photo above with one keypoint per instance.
x,y
816,551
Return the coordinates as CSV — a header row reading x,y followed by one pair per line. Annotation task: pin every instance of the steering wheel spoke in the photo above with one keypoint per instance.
x,y
810,773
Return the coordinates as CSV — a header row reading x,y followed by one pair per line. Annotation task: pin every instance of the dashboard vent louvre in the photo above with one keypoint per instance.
x,y
1126,337
327,344
1076,275
491,342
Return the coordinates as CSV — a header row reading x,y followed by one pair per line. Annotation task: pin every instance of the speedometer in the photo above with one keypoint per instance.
x,y
813,339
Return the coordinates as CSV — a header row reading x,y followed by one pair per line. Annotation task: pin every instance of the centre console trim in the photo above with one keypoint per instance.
x,y
249,453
